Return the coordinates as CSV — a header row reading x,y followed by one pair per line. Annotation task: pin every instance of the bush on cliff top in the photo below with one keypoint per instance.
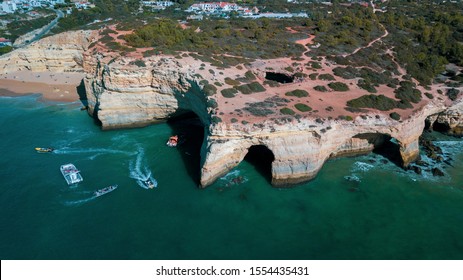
x,y
287,111
338,86
379,102
302,107
229,92
209,89
297,93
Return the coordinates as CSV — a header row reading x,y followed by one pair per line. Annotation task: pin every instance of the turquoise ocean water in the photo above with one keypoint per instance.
x,y
356,208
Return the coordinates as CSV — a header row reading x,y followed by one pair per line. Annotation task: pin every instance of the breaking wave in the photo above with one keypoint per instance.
x,y
232,178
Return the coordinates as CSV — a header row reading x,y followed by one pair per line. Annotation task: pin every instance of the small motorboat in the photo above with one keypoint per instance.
x,y
44,150
150,184
105,190
71,174
173,141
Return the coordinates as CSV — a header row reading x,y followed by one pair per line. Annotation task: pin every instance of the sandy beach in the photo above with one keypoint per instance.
x,y
52,86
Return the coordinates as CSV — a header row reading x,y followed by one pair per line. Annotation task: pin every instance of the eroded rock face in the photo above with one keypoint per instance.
x,y
59,53
450,121
123,94
301,148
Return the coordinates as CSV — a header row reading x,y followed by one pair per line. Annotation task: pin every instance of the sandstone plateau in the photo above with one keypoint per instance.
x,y
122,92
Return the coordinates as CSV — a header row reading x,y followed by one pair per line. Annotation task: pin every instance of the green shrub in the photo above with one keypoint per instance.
x,y
302,107
297,93
379,102
326,77
244,89
259,111
250,88
233,120
289,69
394,116
313,76
216,119
348,72
428,95
408,93
453,93
320,88
366,86
209,89
250,76
231,82
315,65
212,103
338,86
5,49
256,87
229,92
287,111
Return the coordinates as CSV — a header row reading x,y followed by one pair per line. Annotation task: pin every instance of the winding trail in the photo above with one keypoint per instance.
x,y
369,44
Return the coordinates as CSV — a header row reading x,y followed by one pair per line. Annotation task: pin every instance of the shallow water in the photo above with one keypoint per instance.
x,y
356,208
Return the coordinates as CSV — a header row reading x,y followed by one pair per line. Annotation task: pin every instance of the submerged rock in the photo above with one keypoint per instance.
x,y
416,169
437,172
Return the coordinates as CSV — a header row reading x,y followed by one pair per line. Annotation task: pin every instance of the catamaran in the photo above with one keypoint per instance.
x,y
105,190
71,174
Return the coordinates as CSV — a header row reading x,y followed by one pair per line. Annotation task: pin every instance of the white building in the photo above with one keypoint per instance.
x,y
157,5
214,7
9,7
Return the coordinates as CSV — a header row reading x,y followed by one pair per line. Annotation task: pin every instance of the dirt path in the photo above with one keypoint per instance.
x,y
369,44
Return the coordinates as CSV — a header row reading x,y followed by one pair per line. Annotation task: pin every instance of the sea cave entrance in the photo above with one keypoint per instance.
x,y
383,145
190,130
261,158
279,77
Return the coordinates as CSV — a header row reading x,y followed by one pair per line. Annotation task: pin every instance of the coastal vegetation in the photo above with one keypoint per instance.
x,y
287,111
338,86
250,88
303,107
297,93
237,37
229,92
426,34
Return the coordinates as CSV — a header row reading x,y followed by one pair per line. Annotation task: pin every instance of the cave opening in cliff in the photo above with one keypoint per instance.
x,y
261,158
384,145
440,127
279,77
190,131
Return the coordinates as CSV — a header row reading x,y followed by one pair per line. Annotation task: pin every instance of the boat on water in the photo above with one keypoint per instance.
x,y
71,174
173,141
44,150
105,190
150,184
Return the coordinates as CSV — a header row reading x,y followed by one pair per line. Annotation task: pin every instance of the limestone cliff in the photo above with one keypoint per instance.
x,y
122,94
450,121
58,53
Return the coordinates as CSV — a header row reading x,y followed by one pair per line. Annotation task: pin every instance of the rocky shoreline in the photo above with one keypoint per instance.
x,y
123,93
